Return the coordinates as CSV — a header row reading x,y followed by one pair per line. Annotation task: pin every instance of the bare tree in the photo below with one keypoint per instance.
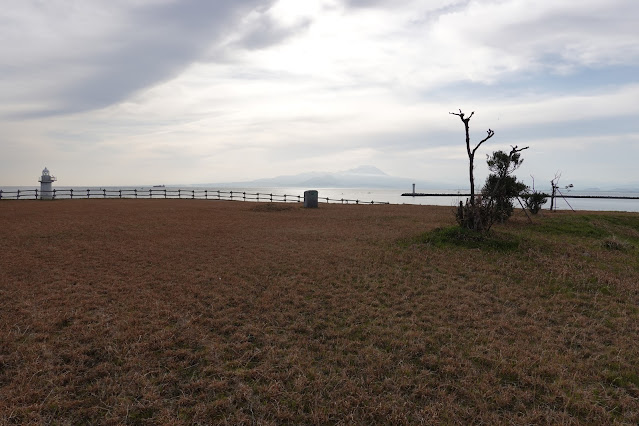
x,y
555,185
471,152
555,189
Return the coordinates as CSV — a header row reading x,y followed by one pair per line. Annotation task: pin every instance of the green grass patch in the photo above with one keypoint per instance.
x,y
623,221
140,415
590,285
621,377
577,226
456,236
617,231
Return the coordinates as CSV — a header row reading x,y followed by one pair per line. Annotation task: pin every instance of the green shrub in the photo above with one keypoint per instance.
x,y
535,200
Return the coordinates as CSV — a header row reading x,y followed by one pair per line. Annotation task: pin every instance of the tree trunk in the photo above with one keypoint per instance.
x,y
471,152
472,180
471,163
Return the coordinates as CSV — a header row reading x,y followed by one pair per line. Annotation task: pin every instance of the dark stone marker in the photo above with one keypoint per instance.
x,y
310,199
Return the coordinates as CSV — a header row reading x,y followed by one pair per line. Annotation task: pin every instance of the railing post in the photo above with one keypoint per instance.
x,y
165,193
206,194
284,197
244,196
1,194
258,196
18,196
88,193
271,198
72,193
193,194
231,195
135,193
54,193
120,191
150,193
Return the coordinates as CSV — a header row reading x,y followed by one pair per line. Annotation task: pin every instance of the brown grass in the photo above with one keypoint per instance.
x,y
187,311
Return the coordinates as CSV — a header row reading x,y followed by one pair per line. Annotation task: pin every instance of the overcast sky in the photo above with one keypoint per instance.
x,y
117,92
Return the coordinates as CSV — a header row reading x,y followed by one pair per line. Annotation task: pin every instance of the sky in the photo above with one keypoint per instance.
x,y
123,92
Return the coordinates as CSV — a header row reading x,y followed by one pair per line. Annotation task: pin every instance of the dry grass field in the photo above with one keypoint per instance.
x,y
187,312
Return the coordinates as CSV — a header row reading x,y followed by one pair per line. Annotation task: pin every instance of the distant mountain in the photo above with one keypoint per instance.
x,y
627,188
365,176
365,170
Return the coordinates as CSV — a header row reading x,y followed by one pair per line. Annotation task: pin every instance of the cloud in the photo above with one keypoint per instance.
x,y
87,57
519,35
363,3
62,57
227,90
430,43
261,30
433,5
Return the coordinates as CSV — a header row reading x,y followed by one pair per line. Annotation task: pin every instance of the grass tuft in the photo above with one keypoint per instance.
x,y
614,243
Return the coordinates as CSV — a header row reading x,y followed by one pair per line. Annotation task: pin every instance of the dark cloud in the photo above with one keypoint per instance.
x,y
154,43
362,3
266,32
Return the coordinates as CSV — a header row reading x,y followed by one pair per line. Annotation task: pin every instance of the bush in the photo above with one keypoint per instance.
x,y
501,185
479,216
616,244
535,200
501,191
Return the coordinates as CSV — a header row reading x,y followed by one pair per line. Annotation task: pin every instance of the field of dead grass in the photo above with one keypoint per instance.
x,y
187,311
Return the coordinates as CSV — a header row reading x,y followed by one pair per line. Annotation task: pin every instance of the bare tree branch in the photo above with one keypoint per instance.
x,y
555,185
471,152
490,135
460,114
516,150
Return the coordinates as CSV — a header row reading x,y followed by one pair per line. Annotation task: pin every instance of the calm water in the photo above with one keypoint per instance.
x,y
350,196
395,197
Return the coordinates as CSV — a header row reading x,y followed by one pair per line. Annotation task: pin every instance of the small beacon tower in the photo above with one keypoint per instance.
x,y
46,191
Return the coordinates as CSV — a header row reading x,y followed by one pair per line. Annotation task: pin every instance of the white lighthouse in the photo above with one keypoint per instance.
x,y
46,180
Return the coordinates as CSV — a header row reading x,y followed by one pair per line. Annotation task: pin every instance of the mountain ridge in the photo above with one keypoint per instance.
x,y
363,176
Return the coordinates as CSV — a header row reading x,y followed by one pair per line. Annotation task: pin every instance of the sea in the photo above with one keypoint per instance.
x,y
331,195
